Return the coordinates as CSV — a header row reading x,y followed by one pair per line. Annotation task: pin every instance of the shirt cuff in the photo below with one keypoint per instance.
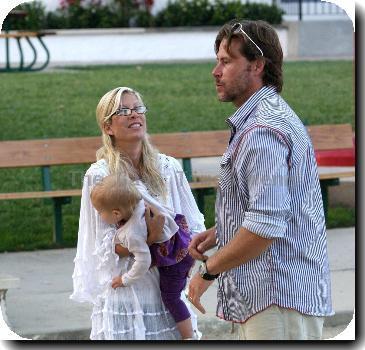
x,y
264,225
126,280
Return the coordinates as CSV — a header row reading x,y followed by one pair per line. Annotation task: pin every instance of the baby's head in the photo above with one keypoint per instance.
x,y
115,198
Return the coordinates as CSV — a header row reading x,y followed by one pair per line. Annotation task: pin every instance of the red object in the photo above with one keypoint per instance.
x,y
336,157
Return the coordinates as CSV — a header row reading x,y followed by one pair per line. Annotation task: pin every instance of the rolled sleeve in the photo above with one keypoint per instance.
x,y
264,169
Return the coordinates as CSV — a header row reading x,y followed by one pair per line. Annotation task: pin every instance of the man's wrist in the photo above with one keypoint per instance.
x,y
205,273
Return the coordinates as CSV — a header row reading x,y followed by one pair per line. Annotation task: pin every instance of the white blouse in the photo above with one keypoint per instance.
x,y
133,312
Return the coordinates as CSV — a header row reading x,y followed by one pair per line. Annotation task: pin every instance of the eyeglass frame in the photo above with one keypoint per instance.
x,y
130,109
239,30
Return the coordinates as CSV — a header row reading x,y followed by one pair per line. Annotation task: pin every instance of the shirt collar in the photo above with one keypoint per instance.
x,y
238,119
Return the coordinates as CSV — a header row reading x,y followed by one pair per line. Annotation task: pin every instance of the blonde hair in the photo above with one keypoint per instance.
x,y
119,162
116,192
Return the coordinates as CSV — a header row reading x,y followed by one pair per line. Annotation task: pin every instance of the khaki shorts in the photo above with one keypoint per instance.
x,y
277,323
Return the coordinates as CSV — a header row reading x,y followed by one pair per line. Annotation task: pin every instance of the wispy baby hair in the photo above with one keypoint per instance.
x,y
116,192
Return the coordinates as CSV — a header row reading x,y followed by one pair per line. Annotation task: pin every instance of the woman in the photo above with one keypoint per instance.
x,y
126,150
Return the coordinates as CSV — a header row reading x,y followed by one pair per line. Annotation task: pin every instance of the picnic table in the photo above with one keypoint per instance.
x,y
7,35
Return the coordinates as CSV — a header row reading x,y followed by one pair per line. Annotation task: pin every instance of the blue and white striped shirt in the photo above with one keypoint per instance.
x,y
269,185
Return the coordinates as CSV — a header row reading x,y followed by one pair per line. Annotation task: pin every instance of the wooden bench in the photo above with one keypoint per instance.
x,y
186,146
27,35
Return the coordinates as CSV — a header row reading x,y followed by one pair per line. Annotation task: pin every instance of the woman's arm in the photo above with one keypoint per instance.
x,y
91,232
155,222
182,198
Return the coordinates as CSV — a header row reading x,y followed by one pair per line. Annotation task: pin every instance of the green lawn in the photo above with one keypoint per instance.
x,y
61,103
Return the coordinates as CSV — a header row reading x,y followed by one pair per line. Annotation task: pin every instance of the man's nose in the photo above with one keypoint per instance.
x,y
216,72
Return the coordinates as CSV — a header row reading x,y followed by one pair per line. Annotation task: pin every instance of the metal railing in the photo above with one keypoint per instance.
x,y
308,7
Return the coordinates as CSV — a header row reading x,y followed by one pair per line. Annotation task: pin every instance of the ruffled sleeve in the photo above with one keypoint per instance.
x,y
180,195
95,256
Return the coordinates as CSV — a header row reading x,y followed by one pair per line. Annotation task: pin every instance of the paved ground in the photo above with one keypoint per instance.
x,y
40,308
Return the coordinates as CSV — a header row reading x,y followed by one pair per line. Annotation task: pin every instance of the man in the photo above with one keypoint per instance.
x,y
271,262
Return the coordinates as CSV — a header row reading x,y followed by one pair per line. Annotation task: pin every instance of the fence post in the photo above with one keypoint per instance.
x,y
300,9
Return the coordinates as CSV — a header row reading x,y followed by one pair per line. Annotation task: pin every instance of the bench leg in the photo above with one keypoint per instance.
x,y
58,226
324,189
200,197
200,201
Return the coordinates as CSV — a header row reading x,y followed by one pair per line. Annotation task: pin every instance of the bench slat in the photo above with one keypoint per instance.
x,y
41,194
27,153
20,35
329,137
325,175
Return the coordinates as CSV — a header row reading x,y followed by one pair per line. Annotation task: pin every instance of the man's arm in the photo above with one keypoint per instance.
x,y
244,247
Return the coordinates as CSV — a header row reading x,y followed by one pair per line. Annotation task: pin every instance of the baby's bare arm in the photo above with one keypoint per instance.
x,y
121,251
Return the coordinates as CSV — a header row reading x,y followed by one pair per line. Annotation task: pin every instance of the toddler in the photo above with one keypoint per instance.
x,y
122,203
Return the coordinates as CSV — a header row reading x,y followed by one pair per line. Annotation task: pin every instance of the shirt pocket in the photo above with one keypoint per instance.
x,y
225,172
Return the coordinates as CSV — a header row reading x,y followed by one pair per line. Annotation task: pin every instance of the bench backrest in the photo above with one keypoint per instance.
x,y
29,153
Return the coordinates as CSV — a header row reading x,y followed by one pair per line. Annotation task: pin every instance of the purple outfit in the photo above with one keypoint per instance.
x,y
174,263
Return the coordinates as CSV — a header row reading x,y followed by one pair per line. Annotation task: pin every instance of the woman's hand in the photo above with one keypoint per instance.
x,y
154,221
121,251
202,242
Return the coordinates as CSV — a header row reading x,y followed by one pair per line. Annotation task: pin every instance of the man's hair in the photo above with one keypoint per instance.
x,y
116,192
265,37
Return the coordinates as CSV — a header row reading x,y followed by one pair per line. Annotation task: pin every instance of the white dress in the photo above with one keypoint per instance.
x,y
135,312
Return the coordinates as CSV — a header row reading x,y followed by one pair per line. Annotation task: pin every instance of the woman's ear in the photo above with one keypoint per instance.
x,y
108,130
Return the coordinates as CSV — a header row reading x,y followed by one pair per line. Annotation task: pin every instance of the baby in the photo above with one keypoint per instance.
x,y
121,202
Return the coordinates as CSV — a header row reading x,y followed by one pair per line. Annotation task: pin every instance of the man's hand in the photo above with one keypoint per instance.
x,y
117,282
197,287
202,242
155,222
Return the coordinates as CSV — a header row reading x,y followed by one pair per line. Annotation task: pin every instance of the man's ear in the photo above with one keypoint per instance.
x,y
259,66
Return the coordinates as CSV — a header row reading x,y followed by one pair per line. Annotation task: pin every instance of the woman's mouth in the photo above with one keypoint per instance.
x,y
136,125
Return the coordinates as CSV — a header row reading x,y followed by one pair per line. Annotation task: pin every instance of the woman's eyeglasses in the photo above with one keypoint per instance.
x,y
128,111
237,29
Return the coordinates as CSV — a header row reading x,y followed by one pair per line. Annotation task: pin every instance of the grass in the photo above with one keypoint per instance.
x,y
61,103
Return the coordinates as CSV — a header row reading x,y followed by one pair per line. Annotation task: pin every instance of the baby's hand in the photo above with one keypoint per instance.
x,y
117,282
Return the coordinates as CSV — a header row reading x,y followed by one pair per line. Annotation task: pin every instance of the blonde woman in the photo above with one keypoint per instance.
x,y
127,151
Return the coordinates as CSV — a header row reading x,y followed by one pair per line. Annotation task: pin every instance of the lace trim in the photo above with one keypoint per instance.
x,y
130,330
96,313
162,331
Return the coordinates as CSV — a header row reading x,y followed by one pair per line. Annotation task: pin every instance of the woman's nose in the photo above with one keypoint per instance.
x,y
134,114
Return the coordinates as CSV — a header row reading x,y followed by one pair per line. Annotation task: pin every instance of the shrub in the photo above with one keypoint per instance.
x,y
205,12
34,20
131,13
81,14
271,14
185,13
225,11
